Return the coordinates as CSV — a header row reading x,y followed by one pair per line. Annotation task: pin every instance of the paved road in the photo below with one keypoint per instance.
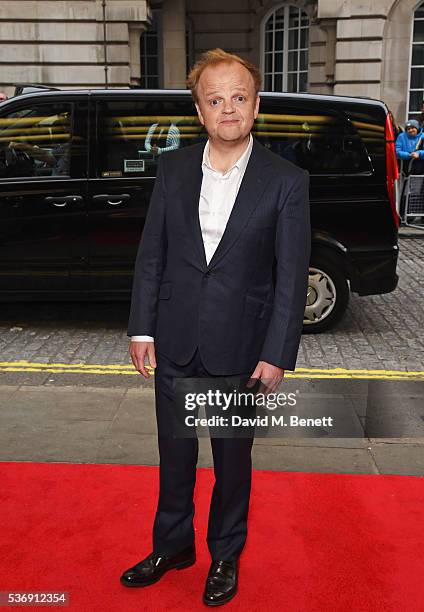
x,y
378,332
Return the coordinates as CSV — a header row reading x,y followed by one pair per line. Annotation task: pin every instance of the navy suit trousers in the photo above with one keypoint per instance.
x,y
173,526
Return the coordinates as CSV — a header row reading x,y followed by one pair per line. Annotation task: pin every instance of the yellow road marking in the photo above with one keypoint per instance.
x,y
128,370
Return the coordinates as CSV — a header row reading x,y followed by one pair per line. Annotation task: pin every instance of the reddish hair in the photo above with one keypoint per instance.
x,y
219,56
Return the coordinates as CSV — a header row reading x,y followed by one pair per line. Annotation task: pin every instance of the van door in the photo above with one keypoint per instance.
x,y
131,131
42,193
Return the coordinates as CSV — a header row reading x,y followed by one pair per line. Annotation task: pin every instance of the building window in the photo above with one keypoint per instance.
x,y
151,53
285,44
416,80
151,77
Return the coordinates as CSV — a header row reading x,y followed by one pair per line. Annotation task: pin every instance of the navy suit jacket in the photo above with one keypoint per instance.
x,y
230,310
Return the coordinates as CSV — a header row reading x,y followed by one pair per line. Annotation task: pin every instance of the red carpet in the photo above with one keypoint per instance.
x,y
329,542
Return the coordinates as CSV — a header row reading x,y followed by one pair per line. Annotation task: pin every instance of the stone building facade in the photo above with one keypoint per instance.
x,y
76,43
353,47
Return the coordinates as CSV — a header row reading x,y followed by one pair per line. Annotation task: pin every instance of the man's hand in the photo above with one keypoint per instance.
x,y
415,155
139,351
271,374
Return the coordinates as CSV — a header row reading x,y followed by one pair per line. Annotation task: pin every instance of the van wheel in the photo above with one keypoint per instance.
x,y
328,295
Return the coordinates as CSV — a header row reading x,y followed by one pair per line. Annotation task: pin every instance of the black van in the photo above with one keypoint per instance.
x,y
77,169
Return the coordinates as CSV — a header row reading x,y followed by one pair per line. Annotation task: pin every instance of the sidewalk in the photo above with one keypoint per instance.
x,y
87,424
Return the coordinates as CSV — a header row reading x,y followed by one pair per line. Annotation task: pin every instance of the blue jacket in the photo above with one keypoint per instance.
x,y
406,144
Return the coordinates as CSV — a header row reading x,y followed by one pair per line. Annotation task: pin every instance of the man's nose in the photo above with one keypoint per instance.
x,y
228,106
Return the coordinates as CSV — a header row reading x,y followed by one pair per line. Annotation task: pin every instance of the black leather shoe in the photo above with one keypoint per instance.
x,y
221,583
152,568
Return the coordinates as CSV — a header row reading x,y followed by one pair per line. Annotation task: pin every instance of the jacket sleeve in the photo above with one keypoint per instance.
x,y
292,251
400,153
150,262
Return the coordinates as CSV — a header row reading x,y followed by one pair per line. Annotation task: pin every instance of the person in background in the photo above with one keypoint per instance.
x,y
172,139
410,152
57,156
409,147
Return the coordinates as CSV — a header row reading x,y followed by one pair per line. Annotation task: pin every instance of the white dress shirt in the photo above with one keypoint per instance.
x,y
217,196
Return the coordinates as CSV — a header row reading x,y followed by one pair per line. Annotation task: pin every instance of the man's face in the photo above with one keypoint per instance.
x,y
227,103
412,131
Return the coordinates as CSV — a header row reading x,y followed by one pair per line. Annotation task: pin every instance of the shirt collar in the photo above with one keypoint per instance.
x,y
240,164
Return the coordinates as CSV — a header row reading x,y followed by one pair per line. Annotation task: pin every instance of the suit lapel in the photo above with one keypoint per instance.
x,y
190,191
249,194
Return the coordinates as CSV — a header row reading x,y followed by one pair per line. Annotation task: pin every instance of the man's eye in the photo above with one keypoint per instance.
x,y
240,98
214,102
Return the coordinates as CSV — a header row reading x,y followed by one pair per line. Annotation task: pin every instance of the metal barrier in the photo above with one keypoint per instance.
x,y
414,200
411,198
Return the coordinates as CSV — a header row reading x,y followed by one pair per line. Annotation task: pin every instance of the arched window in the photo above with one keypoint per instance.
x,y
285,44
416,80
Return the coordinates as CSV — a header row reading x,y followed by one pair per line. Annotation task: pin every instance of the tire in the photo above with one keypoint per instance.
x,y
328,294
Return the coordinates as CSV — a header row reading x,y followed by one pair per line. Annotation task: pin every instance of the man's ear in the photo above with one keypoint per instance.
x,y
256,111
199,114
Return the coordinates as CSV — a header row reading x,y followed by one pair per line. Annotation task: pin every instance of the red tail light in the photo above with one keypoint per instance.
x,y
392,170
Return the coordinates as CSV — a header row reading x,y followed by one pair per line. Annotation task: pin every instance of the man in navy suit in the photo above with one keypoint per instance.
x,y
205,304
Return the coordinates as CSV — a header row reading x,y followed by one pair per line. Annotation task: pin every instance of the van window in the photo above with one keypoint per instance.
x,y
132,134
370,126
320,142
35,141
